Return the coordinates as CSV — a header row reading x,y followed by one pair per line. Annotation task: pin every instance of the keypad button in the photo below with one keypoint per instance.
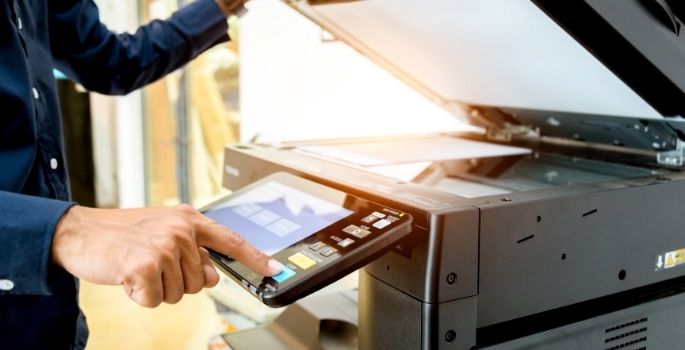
x,y
370,219
285,274
346,242
316,246
328,251
356,231
378,215
382,223
302,261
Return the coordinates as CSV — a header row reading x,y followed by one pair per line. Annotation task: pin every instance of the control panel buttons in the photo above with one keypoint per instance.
x,y
346,242
302,261
356,231
392,218
328,251
285,274
370,219
380,224
316,246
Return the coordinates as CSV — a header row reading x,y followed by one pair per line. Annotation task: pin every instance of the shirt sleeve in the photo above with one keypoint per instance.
x,y
86,51
27,225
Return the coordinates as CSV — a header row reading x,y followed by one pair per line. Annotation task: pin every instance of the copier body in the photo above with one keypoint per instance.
x,y
577,244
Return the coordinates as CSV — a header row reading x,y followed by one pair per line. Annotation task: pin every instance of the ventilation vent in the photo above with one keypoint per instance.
x,y
628,336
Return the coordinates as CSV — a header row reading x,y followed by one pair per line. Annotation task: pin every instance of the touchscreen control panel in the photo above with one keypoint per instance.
x,y
318,233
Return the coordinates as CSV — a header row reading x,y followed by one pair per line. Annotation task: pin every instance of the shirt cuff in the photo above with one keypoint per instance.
x,y
27,226
206,22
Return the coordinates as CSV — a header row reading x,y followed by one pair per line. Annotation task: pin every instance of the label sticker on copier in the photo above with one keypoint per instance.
x,y
670,259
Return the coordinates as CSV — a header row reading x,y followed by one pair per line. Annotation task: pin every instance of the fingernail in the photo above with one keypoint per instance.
x,y
275,267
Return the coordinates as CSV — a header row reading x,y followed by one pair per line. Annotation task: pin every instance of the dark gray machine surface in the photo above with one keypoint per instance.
x,y
326,322
652,325
526,262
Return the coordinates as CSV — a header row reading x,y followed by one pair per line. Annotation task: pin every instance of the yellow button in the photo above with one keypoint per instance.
x,y
302,261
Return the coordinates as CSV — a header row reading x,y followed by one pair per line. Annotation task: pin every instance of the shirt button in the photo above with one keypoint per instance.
x,y
53,164
35,94
20,25
6,285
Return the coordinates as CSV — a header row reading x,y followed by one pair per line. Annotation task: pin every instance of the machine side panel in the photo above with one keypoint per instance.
x,y
443,266
450,325
653,325
457,275
388,318
537,256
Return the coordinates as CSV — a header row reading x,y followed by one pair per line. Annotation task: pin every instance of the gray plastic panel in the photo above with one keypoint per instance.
x,y
538,255
653,325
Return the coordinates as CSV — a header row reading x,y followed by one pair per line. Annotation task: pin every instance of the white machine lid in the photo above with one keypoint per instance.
x,y
505,54
485,52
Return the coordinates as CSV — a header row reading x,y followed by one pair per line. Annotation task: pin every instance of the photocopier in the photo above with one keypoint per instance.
x,y
547,229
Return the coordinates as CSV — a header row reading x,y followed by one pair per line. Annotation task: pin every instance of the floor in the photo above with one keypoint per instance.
x,y
118,323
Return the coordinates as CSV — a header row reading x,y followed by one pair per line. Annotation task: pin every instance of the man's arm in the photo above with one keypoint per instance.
x,y
102,61
156,254
27,225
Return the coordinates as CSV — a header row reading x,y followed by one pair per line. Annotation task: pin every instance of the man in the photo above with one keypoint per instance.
x,y
157,255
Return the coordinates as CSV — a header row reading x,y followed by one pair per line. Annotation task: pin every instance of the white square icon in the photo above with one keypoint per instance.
x,y
346,242
382,223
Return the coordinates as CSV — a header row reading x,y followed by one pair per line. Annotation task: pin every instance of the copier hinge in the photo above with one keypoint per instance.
x,y
507,133
674,157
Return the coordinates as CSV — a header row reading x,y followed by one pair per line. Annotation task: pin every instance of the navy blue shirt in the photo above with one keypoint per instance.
x,y
38,301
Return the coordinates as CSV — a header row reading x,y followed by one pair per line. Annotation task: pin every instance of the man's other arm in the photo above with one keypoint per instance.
x,y
110,63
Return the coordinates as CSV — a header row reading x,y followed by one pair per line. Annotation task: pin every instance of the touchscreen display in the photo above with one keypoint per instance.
x,y
274,216
318,233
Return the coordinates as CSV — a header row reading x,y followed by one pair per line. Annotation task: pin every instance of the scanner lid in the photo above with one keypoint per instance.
x,y
467,54
641,41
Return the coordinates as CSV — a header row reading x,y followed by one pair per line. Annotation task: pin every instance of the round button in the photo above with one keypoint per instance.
x,y
35,94
53,163
6,285
20,25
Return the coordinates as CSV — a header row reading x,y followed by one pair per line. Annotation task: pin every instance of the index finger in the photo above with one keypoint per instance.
x,y
223,240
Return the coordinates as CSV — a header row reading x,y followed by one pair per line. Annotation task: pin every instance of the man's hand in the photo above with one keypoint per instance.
x,y
156,254
232,7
